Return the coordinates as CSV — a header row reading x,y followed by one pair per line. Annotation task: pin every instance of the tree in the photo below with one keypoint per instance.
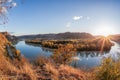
x,y
64,54
5,6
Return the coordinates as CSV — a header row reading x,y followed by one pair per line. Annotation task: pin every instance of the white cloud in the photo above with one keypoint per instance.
x,y
77,17
14,4
88,18
68,24
9,0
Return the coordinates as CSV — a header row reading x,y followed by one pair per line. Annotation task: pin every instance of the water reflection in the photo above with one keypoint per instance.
x,y
38,45
32,51
81,60
92,59
87,59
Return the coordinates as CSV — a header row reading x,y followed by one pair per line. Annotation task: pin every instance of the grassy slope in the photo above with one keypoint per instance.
x,y
13,69
44,69
23,70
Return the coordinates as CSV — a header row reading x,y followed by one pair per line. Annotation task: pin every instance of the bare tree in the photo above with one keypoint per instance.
x,y
5,6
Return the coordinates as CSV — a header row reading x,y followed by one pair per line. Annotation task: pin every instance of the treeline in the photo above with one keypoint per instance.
x,y
98,44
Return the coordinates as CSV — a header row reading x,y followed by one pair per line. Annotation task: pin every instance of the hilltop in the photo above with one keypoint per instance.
x,y
10,37
66,35
115,38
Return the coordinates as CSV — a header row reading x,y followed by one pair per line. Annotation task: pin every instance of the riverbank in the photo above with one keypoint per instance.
x,y
44,68
96,44
20,69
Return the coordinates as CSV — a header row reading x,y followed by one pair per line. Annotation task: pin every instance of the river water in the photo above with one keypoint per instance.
x,y
82,60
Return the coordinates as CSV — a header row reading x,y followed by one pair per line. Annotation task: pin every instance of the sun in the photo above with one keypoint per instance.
x,y
105,31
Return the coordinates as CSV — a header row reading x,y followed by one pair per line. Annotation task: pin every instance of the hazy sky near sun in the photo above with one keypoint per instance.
x,y
54,16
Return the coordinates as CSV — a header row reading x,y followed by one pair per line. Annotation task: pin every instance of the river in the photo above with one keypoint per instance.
x,y
82,60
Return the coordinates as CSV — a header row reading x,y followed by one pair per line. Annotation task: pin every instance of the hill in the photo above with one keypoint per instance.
x,y
66,35
115,37
9,37
21,69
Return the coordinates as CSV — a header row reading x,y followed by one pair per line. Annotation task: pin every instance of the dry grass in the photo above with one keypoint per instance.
x,y
27,70
13,69
43,69
108,70
53,71
6,68
70,73
10,71
46,69
42,60
59,72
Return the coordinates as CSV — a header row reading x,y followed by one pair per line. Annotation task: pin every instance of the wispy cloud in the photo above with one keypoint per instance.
x,y
88,18
14,4
68,25
77,17
9,0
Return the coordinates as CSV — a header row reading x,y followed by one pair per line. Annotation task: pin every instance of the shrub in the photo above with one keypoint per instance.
x,y
42,60
64,54
108,70
18,53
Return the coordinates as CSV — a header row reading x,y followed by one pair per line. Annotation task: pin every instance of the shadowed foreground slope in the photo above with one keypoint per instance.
x,y
43,68
21,69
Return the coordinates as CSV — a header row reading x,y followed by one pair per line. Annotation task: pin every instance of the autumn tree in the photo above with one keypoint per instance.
x,y
64,54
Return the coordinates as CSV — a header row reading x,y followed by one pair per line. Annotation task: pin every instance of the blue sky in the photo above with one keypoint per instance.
x,y
55,16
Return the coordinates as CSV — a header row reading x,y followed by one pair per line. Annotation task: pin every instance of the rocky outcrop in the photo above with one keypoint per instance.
x,y
6,47
10,38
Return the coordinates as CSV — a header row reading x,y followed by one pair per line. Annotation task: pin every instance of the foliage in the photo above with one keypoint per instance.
x,y
97,44
42,60
16,53
108,70
50,71
64,54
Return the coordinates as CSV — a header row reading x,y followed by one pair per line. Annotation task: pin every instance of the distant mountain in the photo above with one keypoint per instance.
x,y
66,35
69,35
115,37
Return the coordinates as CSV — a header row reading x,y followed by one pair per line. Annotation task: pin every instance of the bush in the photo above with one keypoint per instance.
x,y
64,54
108,70
18,53
42,60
